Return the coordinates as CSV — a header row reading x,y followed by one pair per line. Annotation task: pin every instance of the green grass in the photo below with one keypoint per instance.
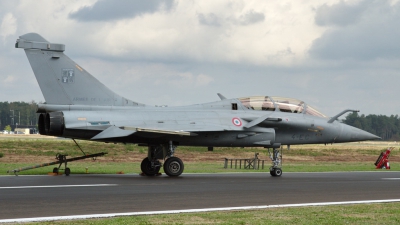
x,y
384,213
76,168
193,167
310,158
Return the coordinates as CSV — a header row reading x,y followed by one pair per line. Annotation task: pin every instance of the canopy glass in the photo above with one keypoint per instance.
x,y
271,103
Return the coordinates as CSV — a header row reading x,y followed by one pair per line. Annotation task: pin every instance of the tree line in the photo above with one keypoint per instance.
x,y
386,127
18,114
23,114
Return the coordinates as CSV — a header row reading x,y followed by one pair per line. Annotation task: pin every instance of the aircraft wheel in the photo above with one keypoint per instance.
x,y
67,171
55,170
173,166
146,168
276,172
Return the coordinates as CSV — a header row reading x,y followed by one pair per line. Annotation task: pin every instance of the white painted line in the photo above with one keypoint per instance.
x,y
390,178
60,186
108,215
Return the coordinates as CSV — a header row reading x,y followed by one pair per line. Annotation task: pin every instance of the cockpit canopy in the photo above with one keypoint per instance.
x,y
270,103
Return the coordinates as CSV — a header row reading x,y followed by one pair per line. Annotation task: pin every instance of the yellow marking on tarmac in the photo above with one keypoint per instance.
x,y
54,174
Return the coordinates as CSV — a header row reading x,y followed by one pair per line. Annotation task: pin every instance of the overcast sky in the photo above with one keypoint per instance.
x,y
332,54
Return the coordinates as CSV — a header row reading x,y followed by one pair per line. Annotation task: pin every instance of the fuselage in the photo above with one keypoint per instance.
x,y
212,124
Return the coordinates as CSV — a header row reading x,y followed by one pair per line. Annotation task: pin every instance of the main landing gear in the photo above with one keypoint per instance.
x,y
276,157
151,165
173,166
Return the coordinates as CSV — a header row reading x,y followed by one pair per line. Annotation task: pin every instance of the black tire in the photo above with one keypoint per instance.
x,y
146,168
272,172
277,172
173,166
55,170
67,171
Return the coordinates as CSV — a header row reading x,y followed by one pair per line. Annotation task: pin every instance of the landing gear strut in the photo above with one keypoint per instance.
x,y
173,166
276,157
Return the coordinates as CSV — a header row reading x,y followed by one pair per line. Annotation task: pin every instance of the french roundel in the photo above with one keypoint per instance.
x,y
237,122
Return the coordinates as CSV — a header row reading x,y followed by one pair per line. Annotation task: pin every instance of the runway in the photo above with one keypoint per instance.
x,y
46,196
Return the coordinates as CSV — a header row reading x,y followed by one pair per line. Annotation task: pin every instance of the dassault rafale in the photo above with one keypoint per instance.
x,y
78,106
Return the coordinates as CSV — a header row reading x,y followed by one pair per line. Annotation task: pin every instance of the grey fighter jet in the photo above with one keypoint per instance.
x,y
78,106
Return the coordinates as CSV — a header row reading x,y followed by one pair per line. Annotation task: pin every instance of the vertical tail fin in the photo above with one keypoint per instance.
x,y
62,81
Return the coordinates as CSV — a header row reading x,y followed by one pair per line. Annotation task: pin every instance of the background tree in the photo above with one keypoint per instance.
x,y
7,128
21,113
386,127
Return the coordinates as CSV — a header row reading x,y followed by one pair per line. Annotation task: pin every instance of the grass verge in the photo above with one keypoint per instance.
x,y
21,152
384,213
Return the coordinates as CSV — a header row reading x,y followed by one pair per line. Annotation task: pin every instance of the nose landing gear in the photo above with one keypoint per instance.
x,y
276,157
275,172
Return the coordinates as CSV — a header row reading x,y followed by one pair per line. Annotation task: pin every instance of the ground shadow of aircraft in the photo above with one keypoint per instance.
x,y
78,106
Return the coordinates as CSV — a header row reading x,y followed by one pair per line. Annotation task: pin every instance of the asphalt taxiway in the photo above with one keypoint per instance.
x,y
45,196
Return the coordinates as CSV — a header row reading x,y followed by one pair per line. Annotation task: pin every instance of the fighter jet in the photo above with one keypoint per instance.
x,y
78,106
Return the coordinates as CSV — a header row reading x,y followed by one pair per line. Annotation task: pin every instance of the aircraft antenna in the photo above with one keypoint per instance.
x,y
221,96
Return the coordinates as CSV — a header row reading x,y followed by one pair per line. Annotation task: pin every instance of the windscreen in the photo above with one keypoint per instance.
x,y
311,111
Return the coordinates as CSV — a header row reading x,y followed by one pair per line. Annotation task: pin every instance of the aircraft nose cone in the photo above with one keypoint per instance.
x,y
350,134
364,135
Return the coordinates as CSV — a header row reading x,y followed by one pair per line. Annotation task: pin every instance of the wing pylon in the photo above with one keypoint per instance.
x,y
254,122
113,132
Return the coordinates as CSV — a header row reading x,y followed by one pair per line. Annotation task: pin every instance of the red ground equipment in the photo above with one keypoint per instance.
x,y
383,160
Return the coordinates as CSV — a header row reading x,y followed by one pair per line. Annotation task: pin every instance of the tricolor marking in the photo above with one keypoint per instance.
x,y
236,121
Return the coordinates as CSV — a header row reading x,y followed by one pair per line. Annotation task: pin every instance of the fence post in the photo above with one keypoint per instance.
x,y
255,161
